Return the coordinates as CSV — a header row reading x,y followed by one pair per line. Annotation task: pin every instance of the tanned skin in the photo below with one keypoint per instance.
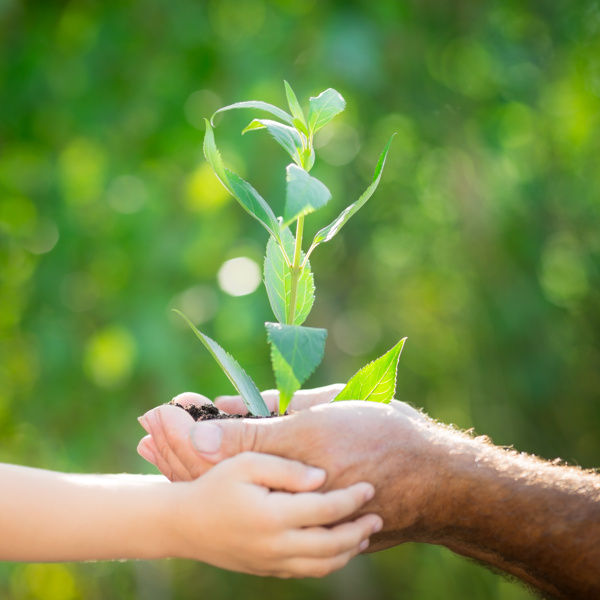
x,y
534,520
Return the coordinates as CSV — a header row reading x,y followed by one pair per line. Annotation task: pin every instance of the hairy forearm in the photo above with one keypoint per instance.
x,y
48,517
532,519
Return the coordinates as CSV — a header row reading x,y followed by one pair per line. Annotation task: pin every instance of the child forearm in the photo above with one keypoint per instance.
x,y
47,516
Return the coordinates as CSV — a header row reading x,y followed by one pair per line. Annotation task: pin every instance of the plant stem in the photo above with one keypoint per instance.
x,y
295,271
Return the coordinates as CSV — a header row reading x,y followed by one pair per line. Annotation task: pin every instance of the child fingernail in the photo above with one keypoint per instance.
x,y
206,438
315,474
364,545
377,525
144,423
370,493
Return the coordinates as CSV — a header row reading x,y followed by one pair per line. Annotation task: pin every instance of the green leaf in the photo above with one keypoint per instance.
x,y
304,194
300,126
285,136
295,108
277,112
327,233
238,377
278,280
323,108
377,381
241,190
295,353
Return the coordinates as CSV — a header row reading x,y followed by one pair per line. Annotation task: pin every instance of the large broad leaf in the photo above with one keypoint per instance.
x,y
304,194
278,280
295,354
241,190
287,137
327,233
323,108
277,112
377,381
240,379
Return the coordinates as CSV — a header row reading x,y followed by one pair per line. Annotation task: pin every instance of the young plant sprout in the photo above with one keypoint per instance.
x,y
296,350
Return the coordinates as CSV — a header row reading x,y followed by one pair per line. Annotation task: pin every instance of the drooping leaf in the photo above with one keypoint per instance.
x,y
238,377
241,190
287,137
377,381
274,110
295,108
278,280
304,194
327,233
295,354
323,108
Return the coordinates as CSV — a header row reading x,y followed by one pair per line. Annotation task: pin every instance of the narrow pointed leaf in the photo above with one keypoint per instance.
x,y
304,194
278,280
293,103
241,190
377,381
327,233
287,137
238,377
323,108
295,353
256,124
300,126
274,110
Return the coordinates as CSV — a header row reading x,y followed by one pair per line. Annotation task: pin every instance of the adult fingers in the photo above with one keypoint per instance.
x,y
306,398
170,428
187,398
277,473
233,405
307,510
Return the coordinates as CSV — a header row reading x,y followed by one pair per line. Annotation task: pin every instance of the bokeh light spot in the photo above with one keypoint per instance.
x,y
563,274
109,357
356,332
42,238
338,144
239,276
127,194
198,303
203,191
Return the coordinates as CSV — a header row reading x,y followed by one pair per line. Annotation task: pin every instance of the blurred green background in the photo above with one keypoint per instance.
x,y
481,245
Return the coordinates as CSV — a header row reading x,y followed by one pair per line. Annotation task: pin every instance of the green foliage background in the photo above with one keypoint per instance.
x,y
481,245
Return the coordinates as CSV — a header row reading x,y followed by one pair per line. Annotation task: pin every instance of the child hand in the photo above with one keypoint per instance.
x,y
255,513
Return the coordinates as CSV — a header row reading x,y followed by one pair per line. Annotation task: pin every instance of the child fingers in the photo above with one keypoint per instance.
x,y
278,473
321,542
308,509
317,567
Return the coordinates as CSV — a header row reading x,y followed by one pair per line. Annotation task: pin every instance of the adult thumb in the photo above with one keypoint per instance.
x,y
219,439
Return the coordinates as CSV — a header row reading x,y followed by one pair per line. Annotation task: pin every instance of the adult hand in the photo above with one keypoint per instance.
x,y
389,446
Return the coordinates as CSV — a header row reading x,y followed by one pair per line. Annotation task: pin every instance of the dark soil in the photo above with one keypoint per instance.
x,y
208,412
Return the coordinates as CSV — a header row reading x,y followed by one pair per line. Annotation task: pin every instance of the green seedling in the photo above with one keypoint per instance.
x,y
296,350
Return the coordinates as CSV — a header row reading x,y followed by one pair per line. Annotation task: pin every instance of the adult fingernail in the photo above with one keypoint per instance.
x,y
146,453
369,493
206,438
